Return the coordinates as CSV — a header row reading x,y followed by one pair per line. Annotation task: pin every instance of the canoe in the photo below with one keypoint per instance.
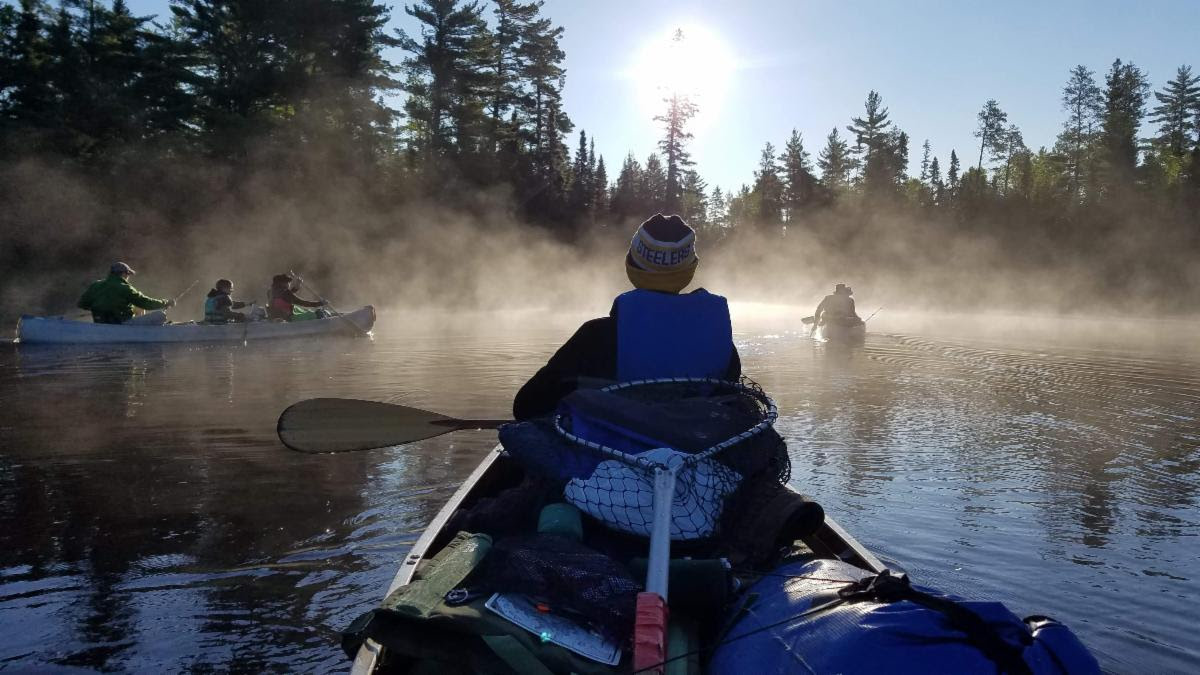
x,y
833,332
498,470
60,330
828,603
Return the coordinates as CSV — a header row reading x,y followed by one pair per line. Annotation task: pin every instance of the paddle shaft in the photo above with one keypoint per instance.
x,y
327,304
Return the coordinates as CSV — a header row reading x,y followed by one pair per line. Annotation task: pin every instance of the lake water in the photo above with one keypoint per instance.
x,y
150,520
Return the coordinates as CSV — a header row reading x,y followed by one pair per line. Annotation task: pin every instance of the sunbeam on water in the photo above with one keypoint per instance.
x,y
150,521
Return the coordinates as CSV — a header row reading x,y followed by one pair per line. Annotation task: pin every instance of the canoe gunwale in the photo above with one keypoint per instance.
x,y
830,540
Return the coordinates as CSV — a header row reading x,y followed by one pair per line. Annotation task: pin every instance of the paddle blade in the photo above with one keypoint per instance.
x,y
321,425
808,319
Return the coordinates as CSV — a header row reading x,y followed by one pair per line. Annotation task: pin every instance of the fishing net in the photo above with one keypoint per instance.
x,y
715,436
572,579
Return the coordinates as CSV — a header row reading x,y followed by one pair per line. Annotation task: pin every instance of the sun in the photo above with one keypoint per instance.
x,y
688,60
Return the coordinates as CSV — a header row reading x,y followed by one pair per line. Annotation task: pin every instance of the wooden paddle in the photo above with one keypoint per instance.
x,y
321,425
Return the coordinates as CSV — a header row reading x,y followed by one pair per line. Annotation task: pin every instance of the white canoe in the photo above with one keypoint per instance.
x,y
59,330
832,332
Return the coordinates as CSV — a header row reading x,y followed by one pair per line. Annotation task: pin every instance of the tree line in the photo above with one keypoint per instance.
x,y
476,103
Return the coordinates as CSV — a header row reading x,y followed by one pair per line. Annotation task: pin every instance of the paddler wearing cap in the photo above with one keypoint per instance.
x,y
837,308
282,300
113,299
651,331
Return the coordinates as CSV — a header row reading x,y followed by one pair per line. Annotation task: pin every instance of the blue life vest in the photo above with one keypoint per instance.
x,y
670,335
211,315
795,615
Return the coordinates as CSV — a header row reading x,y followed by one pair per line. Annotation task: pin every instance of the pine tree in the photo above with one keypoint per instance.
x,y
30,97
952,182
871,130
718,211
654,186
579,202
768,189
1178,113
626,193
512,21
936,187
1013,145
673,145
871,134
541,70
990,131
925,161
600,206
835,163
1125,94
1083,103
442,73
694,202
797,176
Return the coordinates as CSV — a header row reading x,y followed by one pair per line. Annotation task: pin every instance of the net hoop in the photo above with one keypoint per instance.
x,y
772,413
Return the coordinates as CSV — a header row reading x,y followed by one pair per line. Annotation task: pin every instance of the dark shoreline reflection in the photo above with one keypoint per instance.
x,y
149,520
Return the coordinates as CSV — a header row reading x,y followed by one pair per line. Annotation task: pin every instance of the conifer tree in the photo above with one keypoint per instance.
x,y
626,193
797,176
936,187
1083,102
990,131
600,206
654,186
835,163
768,189
952,182
1178,113
582,190
1126,88
925,161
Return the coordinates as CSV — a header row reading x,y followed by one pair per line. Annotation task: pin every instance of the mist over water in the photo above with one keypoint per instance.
x,y
149,519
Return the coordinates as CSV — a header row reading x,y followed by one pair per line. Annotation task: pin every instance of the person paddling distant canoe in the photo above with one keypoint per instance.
x,y
113,299
282,301
219,304
651,331
837,308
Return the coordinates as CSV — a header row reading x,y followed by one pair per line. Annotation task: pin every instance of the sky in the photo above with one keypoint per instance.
x,y
764,67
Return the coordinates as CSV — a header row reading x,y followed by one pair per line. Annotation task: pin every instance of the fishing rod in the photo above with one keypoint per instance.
x,y
873,314
185,291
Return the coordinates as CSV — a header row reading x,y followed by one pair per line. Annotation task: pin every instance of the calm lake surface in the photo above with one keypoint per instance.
x,y
150,521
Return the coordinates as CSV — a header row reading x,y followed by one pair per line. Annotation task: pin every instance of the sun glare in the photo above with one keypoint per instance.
x,y
689,61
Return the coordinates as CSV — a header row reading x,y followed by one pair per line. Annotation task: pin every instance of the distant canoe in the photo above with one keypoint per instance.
x,y
832,332
59,330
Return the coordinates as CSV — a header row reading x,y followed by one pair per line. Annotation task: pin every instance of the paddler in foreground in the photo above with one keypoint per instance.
x,y
113,299
651,331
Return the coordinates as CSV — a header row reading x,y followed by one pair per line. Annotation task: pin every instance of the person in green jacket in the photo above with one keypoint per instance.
x,y
112,299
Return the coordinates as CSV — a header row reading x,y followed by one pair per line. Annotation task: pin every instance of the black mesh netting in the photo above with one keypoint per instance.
x,y
605,445
572,578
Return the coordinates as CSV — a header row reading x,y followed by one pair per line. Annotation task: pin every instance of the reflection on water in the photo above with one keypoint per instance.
x,y
149,520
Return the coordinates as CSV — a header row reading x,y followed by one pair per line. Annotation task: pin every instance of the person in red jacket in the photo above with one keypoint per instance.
x,y
282,300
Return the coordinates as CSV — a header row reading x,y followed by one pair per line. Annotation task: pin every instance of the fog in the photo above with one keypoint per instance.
x,y
356,244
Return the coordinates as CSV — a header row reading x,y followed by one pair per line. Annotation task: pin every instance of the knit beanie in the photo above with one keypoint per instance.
x,y
662,255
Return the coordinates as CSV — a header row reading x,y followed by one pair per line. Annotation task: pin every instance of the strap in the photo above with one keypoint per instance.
x,y
888,586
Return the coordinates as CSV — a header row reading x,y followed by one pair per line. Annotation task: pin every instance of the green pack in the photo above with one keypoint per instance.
x,y
418,628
